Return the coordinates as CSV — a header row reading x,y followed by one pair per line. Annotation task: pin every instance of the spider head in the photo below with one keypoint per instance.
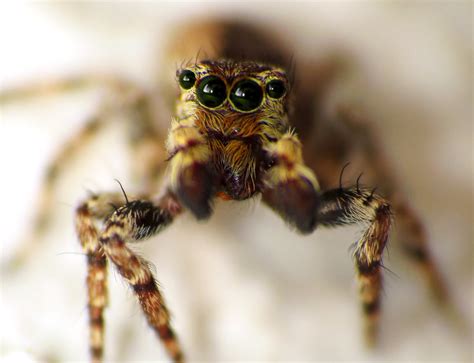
x,y
234,90
238,107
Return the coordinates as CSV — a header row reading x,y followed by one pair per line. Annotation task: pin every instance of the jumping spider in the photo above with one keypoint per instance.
x,y
239,128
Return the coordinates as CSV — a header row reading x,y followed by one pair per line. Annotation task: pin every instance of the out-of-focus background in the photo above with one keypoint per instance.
x,y
243,286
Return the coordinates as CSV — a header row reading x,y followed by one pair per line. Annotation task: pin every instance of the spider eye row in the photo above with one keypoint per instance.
x,y
246,95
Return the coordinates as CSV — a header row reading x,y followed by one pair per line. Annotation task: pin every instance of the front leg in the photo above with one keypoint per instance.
x,y
136,221
291,190
124,223
413,236
355,206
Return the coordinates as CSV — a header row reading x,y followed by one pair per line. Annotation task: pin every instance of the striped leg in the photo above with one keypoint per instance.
x,y
291,189
147,144
413,237
62,85
415,245
135,221
355,206
95,208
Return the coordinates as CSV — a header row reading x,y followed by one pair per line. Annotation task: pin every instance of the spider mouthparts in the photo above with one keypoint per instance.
x,y
195,189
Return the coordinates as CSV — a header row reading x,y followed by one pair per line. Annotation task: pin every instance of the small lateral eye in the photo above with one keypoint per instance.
x,y
276,88
246,95
187,79
211,91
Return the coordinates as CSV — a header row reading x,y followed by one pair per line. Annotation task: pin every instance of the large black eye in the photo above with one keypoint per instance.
x,y
211,91
187,79
276,88
246,95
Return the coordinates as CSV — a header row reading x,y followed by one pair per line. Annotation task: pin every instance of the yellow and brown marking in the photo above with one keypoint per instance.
x,y
124,221
126,225
96,281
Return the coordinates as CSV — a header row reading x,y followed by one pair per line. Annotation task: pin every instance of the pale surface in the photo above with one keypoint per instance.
x,y
241,287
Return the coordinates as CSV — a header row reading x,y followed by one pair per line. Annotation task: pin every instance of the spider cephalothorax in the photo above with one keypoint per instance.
x,y
228,115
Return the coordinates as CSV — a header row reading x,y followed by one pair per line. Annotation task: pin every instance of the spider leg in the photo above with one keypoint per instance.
x,y
133,221
95,208
62,85
140,219
145,140
292,191
147,144
349,136
353,206
412,233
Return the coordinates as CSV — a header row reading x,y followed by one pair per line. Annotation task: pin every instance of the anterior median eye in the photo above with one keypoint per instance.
x,y
246,95
276,88
211,91
187,79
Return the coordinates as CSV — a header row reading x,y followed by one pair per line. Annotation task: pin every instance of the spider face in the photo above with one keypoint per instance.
x,y
239,107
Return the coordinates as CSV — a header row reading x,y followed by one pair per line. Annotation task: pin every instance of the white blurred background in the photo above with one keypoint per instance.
x,y
241,287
